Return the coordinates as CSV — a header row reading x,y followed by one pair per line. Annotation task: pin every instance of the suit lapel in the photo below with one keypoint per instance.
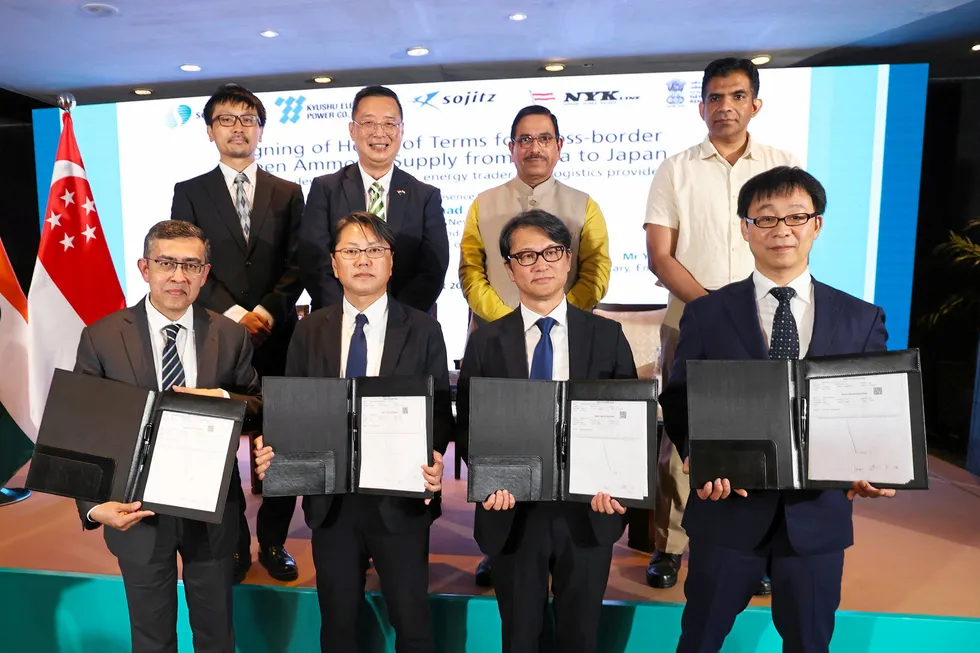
x,y
214,182
206,343
514,345
333,334
354,189
741,307
826,311
264,189
136,339
580,341
397,199
396,332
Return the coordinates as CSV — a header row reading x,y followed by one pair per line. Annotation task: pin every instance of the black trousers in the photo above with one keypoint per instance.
x,y
555,539
352,533
151,591
720,582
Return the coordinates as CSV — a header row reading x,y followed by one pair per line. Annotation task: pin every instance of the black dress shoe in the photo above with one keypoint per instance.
x,y
764,588
243,562
662,570
278,562
483,577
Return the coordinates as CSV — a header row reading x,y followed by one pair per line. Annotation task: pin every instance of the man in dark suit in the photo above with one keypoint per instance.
x,y
372,334
412,209
545,338
165,343
798,537
252,221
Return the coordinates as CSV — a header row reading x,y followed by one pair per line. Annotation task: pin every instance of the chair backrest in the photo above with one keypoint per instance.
x,y
642,330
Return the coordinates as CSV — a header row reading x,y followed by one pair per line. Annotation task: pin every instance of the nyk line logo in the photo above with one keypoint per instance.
x,y
592,97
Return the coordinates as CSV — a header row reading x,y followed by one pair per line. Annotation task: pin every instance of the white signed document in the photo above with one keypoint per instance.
x,y
608,449
394,445
860,429
188,461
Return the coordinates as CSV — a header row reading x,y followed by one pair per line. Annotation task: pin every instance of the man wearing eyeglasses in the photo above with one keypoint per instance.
x,y
694,246
370,333
166,343
375,184
545,338
252,221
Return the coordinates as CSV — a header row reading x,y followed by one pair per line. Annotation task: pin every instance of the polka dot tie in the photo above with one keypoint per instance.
x,y
785,341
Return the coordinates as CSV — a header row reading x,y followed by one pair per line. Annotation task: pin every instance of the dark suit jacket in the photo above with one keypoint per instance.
x,y
414,212
263,271
597,350
118,347
725,326
413,347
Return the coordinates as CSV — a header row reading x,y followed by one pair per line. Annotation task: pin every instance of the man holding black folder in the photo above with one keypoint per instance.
x,y
165,343
545,338
371,334
798,537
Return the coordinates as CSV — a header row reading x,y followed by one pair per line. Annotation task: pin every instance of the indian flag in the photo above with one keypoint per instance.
x,y
17,430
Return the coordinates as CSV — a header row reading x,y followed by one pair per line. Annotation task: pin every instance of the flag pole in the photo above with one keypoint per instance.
x,y
12,495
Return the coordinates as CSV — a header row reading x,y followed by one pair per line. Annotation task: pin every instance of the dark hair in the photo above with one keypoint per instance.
x,y
172,230
368,221
778,182
552,226
727,66
533,110
376,91
233,94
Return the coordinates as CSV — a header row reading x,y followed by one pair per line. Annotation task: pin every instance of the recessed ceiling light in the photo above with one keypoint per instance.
x,y
518,17
761,60
269,33
976,48
142,91
99,10
417,51
322,79
554,67
190,68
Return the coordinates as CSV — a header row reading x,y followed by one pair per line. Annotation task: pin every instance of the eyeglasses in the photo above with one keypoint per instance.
x,y
169,266
352,253
792,220
229,120
530,257
544,140
368,127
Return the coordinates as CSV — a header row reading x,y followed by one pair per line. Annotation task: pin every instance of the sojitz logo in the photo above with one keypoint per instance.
x,y
292,108
433,100
177,116
675,97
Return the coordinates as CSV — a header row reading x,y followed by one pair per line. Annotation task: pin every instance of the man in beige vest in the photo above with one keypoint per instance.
x,y
694,245
535,147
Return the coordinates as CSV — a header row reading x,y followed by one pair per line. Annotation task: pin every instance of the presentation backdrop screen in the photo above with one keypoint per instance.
x,y
858,130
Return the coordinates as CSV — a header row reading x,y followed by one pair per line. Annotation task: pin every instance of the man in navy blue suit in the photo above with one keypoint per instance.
x,y
798,537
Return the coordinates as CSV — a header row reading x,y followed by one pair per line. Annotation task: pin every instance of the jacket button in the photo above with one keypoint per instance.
x,y
248,264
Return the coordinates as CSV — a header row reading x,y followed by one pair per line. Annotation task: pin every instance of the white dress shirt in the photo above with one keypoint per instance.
x,y
385,182
374,333
186,346
559,338
237,312
801,306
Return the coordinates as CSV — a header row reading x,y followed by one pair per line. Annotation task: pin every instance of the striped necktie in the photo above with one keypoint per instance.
x,y
242,206
173,369
377,206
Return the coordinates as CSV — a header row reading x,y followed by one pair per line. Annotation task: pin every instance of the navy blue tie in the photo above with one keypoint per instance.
x,y
173,370
357,353
785,340
543,361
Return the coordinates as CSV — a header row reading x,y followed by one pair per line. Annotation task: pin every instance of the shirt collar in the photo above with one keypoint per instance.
x,y
230,173
560,315
526,190
385,180
709,150
376,312
158,320
801,284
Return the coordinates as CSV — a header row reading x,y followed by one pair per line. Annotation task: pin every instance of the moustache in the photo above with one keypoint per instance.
x,y
531,157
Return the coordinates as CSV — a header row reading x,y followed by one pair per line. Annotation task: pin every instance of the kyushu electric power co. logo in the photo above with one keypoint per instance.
x,y
292,108
177,116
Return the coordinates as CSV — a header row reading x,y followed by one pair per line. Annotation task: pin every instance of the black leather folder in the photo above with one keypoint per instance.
x,y
314,427
750,421
519,436
97,439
